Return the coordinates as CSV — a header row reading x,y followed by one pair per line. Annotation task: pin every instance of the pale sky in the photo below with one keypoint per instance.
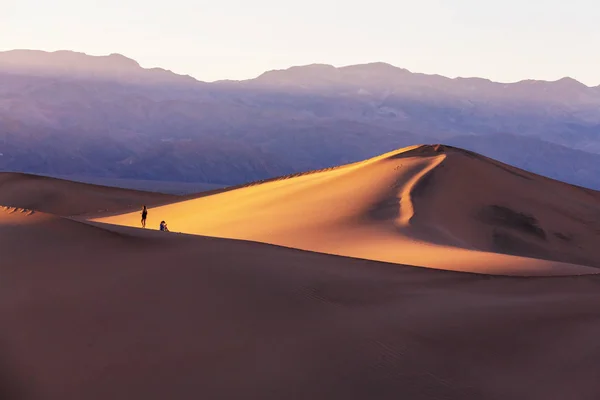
x,y
505,40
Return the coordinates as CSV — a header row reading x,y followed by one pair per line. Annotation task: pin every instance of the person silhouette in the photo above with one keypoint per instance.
x,y
144,215
163,226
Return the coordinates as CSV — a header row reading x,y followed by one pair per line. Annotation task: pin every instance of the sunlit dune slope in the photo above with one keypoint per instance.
x,y
62,197
431,206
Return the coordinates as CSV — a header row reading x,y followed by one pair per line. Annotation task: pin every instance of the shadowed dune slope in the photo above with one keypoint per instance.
x,y
62,197
431,206
111,312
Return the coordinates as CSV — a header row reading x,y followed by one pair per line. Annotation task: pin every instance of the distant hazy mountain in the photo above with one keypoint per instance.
x,y
69,64
565,111
69,113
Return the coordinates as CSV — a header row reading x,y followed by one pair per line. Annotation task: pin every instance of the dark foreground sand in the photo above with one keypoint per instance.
x,y
94,313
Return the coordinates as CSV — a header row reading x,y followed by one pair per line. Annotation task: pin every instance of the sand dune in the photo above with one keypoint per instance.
x,y
62,197
430,206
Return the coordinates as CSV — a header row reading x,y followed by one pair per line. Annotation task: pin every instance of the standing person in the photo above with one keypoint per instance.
x,y
144,215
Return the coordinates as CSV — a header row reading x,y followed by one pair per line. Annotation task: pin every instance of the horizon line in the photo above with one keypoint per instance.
x,y
313,64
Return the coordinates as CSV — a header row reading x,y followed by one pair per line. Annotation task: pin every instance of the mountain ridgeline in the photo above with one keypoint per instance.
x,y
68,113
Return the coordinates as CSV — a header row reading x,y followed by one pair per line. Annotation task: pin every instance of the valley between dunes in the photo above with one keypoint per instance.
x,y
425,273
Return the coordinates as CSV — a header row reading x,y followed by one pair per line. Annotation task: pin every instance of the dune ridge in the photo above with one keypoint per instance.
x,y
388,209
12,210
67,198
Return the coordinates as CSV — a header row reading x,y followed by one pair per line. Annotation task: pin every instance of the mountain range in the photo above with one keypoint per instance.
x,y
68,113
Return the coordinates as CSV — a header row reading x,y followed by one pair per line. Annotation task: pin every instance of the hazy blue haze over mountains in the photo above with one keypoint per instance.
x,y
69,113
